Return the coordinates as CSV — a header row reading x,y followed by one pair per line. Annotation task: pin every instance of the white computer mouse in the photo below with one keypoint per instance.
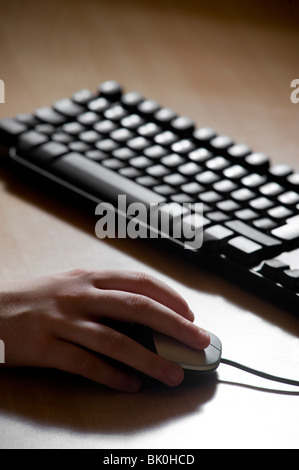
x,y
206,360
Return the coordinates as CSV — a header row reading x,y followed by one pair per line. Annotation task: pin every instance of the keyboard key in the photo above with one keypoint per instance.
x,y
148,108
115,113
132,99
102,182
228,205
106,145
259,161
147,181
48,152
204,134
182,125
290,279
287,232
99,105
83,96
210,197
96,155
73,128
105,126
10,129
217,163
243,194
89,136
216,216
213,237
122,134
138,143
173,160
111,90
88,119
246,214
200,155
293,181
225,186
280,171
271,189
28,140
124,153
249,232
183,147
235,172
140,162
192,188
164,116
150,129
280,212
68,108
182,198
164,189
49,115
130,172
264,223
175,179
189,169
158,171
207,177
238,151
132,121
253,180
113,163
272,268
62,137
155,152
221,143
166,138
261,203
289,198
243,250
79,146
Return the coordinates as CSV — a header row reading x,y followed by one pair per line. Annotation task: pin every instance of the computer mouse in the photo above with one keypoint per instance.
x,y
195,362
190,359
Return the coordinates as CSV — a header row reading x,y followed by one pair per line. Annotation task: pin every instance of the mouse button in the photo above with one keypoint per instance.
x,y
215,341
187,357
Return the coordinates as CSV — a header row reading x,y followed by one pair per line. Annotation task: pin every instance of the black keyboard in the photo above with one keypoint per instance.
x,y
100,145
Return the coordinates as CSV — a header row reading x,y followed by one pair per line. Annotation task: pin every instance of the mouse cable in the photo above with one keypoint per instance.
x,y
259,373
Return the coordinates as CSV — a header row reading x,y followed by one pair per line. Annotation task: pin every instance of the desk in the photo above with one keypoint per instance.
x,y
224,66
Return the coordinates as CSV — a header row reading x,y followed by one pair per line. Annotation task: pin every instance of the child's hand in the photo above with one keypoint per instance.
x,y
55,322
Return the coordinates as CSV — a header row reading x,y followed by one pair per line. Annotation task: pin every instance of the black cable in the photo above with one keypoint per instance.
x,y
259,373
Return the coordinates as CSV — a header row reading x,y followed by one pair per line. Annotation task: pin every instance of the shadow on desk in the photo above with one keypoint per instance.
x,y
53,398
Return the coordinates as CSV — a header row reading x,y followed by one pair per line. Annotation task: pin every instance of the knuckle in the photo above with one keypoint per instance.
x,y
139,302
144,278
83,364
113,343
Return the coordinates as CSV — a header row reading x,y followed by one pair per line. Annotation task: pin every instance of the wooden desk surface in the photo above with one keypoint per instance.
x,y
224,66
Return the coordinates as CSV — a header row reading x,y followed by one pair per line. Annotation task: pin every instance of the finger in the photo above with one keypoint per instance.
x,y
77,360
144,284
128,307
108,342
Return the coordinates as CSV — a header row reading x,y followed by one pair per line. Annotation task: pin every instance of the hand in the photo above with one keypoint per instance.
x,y
55,322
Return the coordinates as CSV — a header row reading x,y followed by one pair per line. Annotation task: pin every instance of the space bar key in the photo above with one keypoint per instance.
x,y
101,182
